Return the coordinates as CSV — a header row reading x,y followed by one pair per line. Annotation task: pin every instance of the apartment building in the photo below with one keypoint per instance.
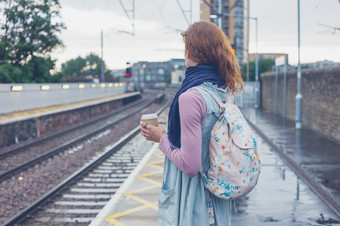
x,y
230,16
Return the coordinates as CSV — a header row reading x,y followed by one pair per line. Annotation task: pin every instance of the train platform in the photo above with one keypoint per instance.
x,y
11,117
136,201
284,194
312,156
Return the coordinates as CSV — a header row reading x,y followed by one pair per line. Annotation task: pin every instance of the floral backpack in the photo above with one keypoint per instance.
x,y
234,162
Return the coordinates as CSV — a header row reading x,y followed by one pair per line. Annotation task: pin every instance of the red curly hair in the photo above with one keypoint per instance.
x,y
206,43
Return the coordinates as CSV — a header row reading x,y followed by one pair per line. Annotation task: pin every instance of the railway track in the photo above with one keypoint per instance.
x,y
36,152
48,138
80,197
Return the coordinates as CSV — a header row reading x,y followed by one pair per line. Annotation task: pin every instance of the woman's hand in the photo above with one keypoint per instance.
x,y
152,133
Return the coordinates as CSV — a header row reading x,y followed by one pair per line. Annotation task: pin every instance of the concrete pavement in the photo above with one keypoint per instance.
x,y
280,198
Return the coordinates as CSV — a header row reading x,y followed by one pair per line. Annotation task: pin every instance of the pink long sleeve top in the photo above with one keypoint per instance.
x,y
192,110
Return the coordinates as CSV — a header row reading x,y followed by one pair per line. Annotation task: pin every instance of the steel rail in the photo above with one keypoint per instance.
x,y
66,145
29,211
23,148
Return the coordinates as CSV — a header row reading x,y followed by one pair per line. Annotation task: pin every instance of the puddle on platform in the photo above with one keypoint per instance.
x,y
281,198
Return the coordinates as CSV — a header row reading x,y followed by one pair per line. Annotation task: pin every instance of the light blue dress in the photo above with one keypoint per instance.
x,y
183,200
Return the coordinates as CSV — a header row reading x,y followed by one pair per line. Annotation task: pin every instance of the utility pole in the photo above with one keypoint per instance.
x,y
101,61
298,98
246,40
284,88
257,84
220,12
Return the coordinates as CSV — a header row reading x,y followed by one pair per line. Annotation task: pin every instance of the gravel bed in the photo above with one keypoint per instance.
x,y
17,193
30,154
9,148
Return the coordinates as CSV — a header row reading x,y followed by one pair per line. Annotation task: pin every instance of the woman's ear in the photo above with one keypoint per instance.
x,y
188,54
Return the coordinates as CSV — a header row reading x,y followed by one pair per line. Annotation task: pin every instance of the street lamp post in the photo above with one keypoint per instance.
x,y
219,16
298,98
257,84
102,79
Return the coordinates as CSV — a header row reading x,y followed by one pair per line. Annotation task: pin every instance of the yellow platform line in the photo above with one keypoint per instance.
x,y
150,180
132,194
113,221
156,162
157,167
144,189
149,174
159,155
113,218
139,199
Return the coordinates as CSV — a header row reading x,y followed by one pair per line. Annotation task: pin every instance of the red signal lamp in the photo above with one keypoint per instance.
x,y
127,74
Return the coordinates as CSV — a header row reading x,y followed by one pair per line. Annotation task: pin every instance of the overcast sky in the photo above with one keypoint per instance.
x,y
156,22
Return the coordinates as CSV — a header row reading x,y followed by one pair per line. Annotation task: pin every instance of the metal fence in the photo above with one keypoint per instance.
x,y
246,98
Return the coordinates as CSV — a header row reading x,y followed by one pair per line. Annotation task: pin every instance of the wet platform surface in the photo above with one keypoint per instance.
x,y
312,152
280,198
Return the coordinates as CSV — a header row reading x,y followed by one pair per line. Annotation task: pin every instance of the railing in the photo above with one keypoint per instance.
x,y
246,98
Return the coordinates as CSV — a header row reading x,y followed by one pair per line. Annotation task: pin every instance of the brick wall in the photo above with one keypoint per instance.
x,y
320,88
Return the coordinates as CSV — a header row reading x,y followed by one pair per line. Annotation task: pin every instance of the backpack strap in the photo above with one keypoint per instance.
x,y
216,98
209,203
210,207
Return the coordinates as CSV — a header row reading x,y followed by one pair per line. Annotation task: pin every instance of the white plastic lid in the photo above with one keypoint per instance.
x,y
149,116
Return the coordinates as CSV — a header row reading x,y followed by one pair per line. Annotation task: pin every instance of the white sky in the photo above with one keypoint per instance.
x,y
154,39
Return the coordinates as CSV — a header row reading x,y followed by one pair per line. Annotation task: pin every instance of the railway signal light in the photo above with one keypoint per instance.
x,y
128,72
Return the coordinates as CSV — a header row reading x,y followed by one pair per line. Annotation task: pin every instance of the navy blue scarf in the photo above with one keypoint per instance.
x,y
194,76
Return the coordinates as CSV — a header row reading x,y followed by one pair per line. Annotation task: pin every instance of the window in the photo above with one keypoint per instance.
x,y
161,71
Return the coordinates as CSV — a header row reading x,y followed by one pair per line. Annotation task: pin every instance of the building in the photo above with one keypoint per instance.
x,y
155,74
177,76
230,16
117,73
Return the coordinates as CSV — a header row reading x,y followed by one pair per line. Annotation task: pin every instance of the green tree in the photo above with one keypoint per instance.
x,y
93,63
38,69
28,35
264,66
73,67
10,73
90,65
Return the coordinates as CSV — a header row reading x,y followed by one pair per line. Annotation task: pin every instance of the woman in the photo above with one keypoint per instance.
x,y
210,64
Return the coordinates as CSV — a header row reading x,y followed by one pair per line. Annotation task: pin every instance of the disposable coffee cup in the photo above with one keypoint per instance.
x,y
151,119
